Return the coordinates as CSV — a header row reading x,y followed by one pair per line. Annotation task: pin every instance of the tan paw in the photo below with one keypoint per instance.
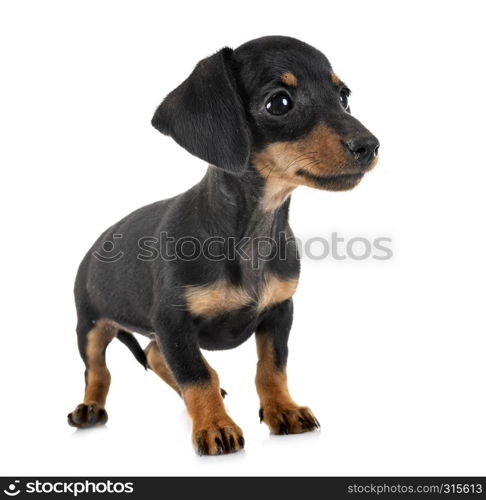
x,y
218,439
289,420
87,416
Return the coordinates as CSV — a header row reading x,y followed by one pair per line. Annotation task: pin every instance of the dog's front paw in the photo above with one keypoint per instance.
x,y
288,420
218,439
87,416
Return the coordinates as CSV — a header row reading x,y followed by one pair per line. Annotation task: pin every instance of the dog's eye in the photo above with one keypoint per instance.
x,y
279,104
343,97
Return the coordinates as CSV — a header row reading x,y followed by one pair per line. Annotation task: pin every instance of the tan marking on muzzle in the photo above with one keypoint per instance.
x,y
320,153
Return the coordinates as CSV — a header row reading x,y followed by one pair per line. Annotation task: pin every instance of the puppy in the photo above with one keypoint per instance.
x,y
189,272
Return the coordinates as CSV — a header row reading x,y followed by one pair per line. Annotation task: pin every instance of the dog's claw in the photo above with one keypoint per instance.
x,y
260,414
219,440
304,423
289,421
220,446
202,445
87,416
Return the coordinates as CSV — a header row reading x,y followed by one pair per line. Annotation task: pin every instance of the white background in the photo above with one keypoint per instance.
x,y
389,355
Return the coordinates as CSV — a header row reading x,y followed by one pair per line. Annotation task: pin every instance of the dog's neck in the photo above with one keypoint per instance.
x,y
246,205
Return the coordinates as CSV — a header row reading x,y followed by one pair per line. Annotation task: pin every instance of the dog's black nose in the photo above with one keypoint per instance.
x,y
364,149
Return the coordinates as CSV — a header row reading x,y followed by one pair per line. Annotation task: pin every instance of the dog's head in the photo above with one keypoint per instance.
x,y
276,104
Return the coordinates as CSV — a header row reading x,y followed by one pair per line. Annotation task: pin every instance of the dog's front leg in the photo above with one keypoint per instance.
x,y
213,430
277,409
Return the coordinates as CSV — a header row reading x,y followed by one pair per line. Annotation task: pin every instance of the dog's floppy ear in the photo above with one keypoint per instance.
x,y
205,115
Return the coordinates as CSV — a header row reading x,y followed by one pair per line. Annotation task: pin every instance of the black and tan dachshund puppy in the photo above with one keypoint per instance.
x,y
268,116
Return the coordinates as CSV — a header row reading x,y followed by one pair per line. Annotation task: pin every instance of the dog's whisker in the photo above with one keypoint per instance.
x,y
311,164
302,157
271,170
299,158
270,167
312,160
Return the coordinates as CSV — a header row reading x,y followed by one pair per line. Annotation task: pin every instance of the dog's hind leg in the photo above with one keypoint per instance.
x,y
158,365
92,345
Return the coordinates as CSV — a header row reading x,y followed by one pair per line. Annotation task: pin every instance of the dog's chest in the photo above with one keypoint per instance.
x,y
220,297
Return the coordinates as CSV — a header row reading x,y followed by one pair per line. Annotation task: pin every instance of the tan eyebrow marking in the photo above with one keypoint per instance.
x,y
335,79
289,79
